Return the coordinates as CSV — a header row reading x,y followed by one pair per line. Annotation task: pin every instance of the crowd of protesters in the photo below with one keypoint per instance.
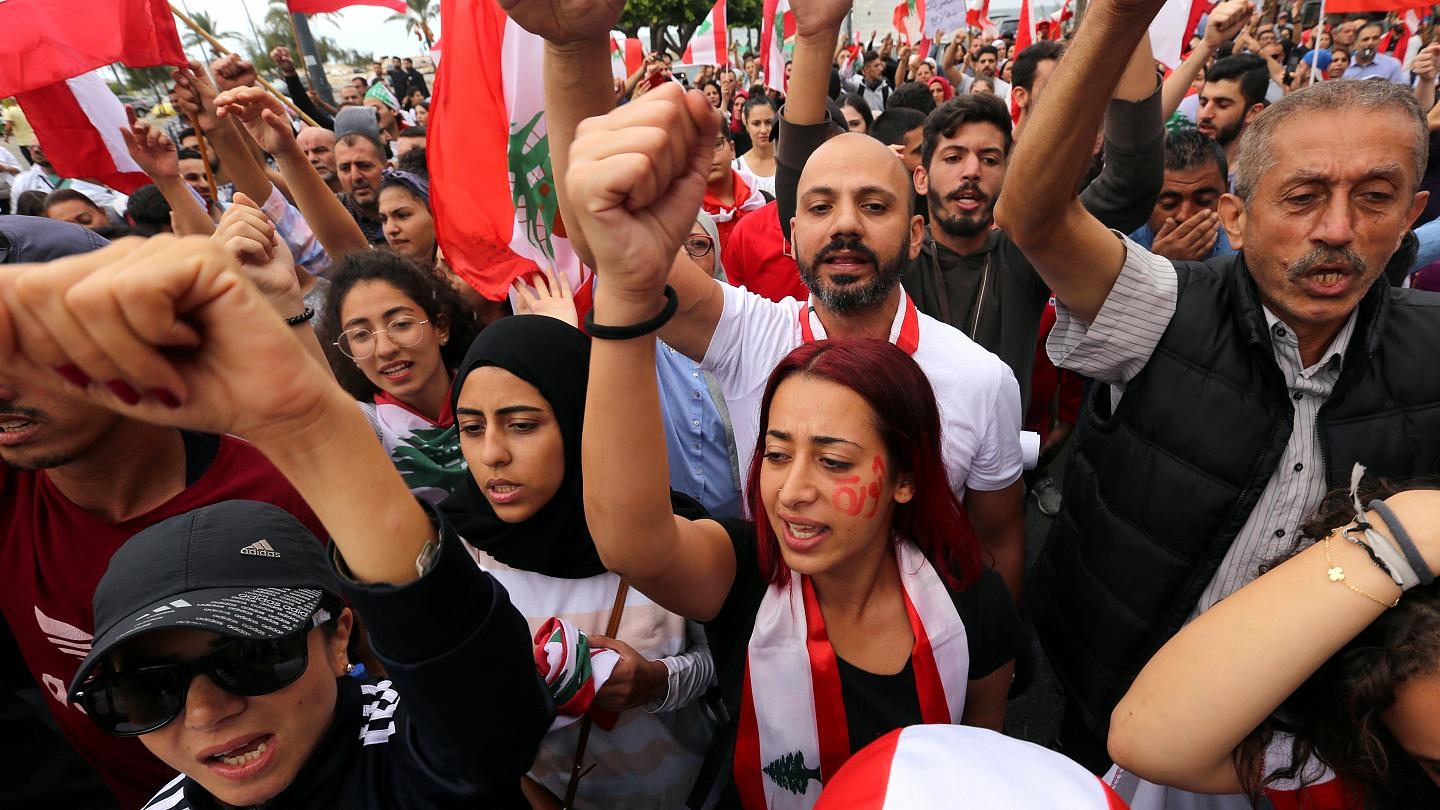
x,y
291,516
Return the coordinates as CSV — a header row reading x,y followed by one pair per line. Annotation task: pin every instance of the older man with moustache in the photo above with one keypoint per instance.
x,y
1234,393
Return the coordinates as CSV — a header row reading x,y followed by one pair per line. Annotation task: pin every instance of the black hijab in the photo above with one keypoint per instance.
x,y
555,541
555,358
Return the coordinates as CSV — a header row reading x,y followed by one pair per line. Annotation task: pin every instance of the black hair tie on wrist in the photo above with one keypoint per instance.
x,y
600,332
301,318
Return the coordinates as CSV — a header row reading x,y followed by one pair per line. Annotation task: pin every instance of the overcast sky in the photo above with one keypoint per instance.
x,y
363,28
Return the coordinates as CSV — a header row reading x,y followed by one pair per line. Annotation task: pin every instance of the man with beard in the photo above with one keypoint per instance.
x,y
1234,393
77,481
360,162
352,96
853,235
318,145
1369,63
1233,95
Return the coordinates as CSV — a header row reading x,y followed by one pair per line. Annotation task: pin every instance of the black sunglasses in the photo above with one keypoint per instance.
x,y
139,701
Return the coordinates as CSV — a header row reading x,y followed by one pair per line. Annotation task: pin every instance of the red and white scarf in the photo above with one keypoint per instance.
x,y
793,733
748,197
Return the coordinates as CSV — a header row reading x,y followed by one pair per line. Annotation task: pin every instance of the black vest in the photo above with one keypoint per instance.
x,y
1158,490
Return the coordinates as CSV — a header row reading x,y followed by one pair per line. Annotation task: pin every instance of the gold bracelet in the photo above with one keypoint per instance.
x,y
1337,574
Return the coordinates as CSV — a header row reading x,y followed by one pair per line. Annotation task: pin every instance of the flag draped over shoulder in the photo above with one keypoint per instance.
x,y
78,123
51,41
710,42
327,6
497,214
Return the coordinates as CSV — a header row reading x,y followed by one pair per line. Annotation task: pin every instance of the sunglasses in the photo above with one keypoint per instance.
x,y
142,700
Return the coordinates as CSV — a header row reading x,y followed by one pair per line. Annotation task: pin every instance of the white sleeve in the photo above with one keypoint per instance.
x,y
999,461
1129,325
751,337
690,673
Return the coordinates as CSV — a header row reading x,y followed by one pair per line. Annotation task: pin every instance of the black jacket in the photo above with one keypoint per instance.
x,y
455,725
1159,488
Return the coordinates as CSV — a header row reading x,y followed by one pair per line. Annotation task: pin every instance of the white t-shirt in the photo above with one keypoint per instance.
x,y
978,397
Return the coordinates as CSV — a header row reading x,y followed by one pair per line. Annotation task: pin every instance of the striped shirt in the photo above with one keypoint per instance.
x,y
1115,348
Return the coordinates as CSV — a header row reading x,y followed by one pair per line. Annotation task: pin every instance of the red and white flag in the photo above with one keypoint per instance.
x,y
710,44
497,214
51,41
1025,32
934,767
904,10
776,27
78,123
1170,31
327,6
1405,45
976,11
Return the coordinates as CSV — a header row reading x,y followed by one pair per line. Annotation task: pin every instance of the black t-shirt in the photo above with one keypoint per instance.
x,y
874,704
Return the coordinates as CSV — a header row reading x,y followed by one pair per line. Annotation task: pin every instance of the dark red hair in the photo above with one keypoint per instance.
x,y
902,404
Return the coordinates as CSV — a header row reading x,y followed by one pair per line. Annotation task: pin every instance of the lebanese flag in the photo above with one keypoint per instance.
x,y
903,11
1371,6
78,123
327,6
777,18
497,215
938,765
51,41
1025,33
1401,47
976,11
709,45
1170,31
1059,18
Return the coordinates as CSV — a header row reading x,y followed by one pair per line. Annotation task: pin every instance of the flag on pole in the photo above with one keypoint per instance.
x,y
78,123
617,55
497,214
905,9
976,11
776,27
1170,31
1372,6
327,6
1025,33
710,43
49,42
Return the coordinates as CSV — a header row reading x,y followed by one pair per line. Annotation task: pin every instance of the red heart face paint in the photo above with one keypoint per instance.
x,y
851,496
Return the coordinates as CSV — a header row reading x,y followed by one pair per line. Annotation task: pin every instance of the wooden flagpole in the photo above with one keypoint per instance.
x,y
215,43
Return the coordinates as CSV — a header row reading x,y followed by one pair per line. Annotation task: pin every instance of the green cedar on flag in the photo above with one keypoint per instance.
x,y
710,42
790,773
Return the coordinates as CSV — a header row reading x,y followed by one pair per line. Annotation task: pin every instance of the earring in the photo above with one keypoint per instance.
x,y
349,668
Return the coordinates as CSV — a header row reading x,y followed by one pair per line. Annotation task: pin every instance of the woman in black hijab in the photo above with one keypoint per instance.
x,y
519,399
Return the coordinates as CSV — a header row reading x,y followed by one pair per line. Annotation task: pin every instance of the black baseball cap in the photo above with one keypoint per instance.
x,y
37,239
243,569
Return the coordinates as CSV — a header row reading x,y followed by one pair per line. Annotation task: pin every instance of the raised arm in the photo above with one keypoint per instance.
x,y
263,116
636,178
804,123
1073,252
157,156
1124,194
298,93
1226,20
195,96
1222,675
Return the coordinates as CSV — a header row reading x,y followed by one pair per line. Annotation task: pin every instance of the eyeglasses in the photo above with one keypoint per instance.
x,y
698,245
359,343
139,701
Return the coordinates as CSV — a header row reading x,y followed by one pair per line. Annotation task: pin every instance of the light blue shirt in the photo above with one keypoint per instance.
x,y
1146,239
1384,67
698,440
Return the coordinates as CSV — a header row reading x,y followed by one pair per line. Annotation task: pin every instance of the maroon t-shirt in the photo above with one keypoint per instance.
x,y
52,555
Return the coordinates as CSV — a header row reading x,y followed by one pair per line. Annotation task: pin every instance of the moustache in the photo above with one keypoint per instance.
x,y
840,245
1322,255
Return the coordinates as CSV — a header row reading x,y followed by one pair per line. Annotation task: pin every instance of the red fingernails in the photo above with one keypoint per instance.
x,y
166,397
124,391
73,375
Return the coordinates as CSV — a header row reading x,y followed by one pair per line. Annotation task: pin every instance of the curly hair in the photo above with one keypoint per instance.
x,y
431,290
1336,715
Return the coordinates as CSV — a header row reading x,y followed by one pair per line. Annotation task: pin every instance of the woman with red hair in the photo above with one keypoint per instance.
x,y
856,602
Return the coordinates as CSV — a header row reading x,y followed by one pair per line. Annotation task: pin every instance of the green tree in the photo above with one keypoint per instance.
x,y
207,24
685,16
417,20
789,772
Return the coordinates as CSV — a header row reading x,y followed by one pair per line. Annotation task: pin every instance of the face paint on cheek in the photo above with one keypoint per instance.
x,y
878,467
847,498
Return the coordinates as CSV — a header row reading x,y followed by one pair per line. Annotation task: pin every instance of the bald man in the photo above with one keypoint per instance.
x,y
854,232
318,145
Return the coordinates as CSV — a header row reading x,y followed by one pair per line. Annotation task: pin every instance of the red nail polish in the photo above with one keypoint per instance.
x,y
124,391
166,397
73,375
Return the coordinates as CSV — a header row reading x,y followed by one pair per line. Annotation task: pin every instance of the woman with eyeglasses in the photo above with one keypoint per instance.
x,y
519,399
220,633
394,331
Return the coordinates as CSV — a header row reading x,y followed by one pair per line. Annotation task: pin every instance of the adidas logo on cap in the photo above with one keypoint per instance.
x,y
261,548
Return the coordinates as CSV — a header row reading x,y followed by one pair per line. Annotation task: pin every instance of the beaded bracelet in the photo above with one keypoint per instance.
x,y
1337,574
